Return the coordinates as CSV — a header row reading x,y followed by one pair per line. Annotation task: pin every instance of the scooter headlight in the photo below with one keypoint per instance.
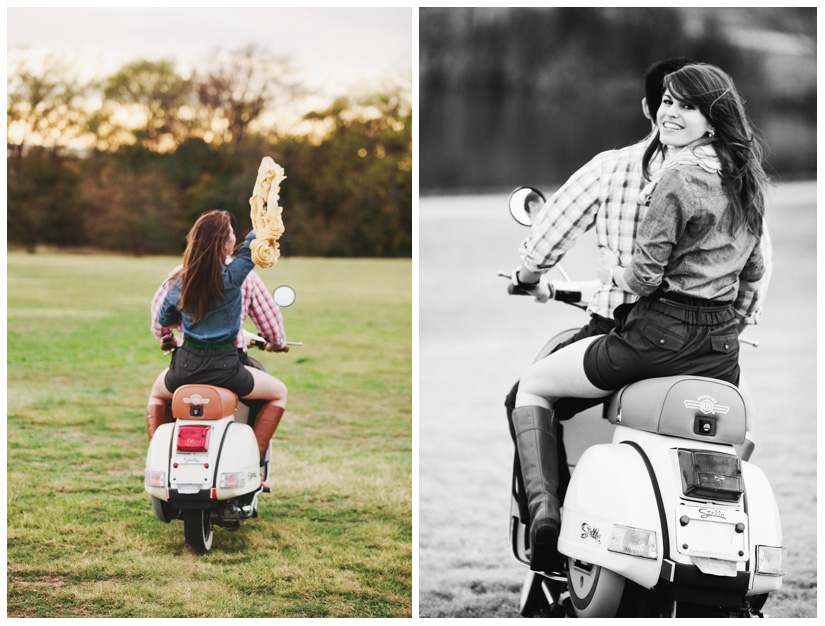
x,y
232,480
633,541
770,561
155,478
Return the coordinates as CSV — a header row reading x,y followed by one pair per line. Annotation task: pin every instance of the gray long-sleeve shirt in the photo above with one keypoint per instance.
x,y
686,244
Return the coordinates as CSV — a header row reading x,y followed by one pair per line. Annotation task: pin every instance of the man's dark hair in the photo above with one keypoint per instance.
x,y
655,80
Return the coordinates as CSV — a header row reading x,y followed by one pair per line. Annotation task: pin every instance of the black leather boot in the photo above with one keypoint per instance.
x,y
535,431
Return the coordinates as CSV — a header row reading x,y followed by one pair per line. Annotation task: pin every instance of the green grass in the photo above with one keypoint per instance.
x,y
333,539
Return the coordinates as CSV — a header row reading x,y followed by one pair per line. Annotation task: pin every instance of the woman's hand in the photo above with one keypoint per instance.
x,y
275,347
604,265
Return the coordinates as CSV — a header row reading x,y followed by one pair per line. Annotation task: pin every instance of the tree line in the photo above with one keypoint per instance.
x,y
127,163
533,92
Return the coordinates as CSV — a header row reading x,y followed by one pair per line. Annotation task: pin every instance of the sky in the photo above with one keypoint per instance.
x,y
333,50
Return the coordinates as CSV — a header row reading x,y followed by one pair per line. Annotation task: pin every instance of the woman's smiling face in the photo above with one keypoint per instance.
x,y
680,123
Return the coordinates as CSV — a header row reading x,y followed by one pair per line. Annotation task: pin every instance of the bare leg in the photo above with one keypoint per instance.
x,y
156,408
559,375
267,387
159,390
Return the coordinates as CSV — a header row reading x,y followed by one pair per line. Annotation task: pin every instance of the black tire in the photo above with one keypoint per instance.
x,y
594,591
197,529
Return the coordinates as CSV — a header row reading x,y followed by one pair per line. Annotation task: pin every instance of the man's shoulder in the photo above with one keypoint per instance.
x,y
618,162
253,278
634,152
172,278
253,283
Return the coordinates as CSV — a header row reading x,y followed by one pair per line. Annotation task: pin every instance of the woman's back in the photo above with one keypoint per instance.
x,y
688,243
221,323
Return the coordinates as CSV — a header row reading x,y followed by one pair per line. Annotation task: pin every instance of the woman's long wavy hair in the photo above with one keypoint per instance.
x,y
713,93
201,276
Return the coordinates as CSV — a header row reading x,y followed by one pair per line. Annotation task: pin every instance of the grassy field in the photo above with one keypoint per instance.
x,y
333,539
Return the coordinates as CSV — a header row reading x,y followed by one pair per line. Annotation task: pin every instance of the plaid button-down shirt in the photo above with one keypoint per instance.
x,y
604,194
256,302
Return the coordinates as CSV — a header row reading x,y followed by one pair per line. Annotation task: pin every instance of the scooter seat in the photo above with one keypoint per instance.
x,y
203,402
691,407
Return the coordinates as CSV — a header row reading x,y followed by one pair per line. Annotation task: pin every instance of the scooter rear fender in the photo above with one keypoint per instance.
x,y
239,455
157,459
765,525
611,485
233,449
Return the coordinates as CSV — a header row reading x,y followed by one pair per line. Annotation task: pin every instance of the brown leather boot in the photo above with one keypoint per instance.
x,y
265,424
155,416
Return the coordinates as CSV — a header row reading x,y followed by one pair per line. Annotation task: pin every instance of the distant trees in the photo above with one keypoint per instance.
x,y
154,91
236,88
44,105
161,148
533,92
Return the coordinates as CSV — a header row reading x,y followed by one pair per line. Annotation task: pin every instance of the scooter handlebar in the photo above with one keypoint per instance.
x,y
570,292
256,341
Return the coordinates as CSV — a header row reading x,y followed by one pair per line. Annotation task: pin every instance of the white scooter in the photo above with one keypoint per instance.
x,y
204,466
662,517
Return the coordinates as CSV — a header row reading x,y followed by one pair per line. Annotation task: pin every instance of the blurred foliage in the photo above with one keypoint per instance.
x,y
527,95
197,146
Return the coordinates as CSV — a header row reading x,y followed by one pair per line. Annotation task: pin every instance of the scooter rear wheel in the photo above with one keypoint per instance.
x,y
197,529
594,590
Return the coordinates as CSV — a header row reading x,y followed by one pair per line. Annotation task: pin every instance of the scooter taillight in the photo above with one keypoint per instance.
x,y
711,475
193,438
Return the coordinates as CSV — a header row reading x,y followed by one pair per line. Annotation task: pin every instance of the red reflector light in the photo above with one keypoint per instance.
x,y
193,438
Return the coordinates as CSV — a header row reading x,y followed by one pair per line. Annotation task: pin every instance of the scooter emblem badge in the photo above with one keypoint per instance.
x,y
196,399
589,531
707,404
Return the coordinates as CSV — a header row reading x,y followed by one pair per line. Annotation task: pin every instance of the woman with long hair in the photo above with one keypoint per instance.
x,y
205,297
697,246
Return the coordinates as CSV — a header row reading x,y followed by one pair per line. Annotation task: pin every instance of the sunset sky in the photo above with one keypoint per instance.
x,y
334,51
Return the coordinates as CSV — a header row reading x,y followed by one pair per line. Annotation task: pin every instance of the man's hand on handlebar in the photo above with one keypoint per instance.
x,y
538,289
274,347
168,343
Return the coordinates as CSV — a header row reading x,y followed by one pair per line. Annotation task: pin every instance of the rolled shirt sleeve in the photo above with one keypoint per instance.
x,y
749,302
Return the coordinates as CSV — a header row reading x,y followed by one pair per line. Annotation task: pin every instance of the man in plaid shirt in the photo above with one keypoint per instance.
x,y
257,303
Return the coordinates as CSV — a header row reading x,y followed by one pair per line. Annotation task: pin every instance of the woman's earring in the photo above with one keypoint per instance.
x,y
712,132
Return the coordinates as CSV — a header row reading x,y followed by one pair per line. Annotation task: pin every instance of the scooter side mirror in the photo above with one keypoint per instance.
x,y
284,295
524,203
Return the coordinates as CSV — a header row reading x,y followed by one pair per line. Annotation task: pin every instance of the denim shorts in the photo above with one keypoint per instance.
x,y
221,367
657,337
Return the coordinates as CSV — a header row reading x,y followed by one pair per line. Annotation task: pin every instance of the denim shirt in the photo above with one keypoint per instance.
x,y
685,244
221,323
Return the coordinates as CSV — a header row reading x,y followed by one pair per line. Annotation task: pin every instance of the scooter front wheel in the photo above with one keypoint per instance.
x,y
197,529
594,590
